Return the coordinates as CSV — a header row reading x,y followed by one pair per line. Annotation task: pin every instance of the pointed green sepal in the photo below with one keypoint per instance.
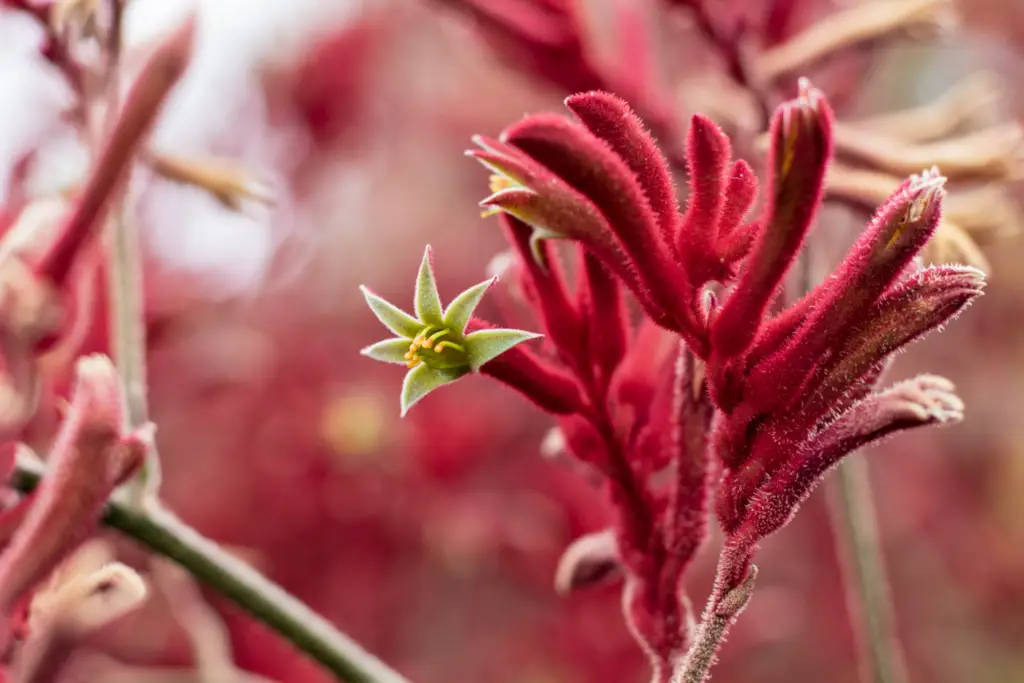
x,y
428,301
423,379
486,345
460,310
393,318
388,351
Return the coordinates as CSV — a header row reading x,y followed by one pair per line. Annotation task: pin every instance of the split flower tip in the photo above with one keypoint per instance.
x,y
903,225
502,162
494,146
808,112
525,189
433,343
926,191
509,182
929,399
930,177
801,138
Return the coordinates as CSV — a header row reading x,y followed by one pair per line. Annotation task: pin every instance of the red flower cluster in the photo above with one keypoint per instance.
x,y
752,405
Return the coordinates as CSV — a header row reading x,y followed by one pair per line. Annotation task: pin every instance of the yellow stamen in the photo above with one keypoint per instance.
x,y
897,233
429,341
498,183
449,345
422,341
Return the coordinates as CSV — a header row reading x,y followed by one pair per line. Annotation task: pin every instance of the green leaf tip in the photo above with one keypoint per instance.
x,y
389,351
391,316
460,310
486,345
428,302
422,380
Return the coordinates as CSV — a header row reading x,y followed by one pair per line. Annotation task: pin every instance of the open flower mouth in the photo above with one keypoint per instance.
x,y
433,342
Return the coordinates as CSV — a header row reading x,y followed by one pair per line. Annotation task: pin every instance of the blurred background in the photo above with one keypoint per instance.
x,y
433,540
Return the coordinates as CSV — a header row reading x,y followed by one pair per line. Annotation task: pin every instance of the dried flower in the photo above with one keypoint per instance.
x,y
229,183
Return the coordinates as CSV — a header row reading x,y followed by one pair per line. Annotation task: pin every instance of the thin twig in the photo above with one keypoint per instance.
x,y
124,278
718,617
164,534
867,587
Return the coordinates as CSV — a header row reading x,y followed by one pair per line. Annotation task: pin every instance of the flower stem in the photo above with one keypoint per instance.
x,y
128,339
124,285
162,533
863,566
719,615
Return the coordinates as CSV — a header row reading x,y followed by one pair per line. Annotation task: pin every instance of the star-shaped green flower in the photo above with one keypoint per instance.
x,y
434,344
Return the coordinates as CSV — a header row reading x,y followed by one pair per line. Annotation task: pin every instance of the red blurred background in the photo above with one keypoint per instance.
x,y
433,540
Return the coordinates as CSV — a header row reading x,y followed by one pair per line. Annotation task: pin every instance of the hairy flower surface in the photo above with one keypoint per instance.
x,y
763,401
717,395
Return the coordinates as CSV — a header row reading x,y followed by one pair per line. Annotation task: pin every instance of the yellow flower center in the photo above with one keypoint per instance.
x,y
433,342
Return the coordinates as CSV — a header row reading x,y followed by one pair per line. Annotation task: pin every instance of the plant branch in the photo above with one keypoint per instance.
x,y
863,567
162,533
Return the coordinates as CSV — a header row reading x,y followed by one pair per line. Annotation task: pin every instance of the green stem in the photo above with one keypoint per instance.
x,y
863,565
164,534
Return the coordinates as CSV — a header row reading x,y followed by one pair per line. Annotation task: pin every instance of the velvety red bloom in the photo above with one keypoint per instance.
x,y
715,394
